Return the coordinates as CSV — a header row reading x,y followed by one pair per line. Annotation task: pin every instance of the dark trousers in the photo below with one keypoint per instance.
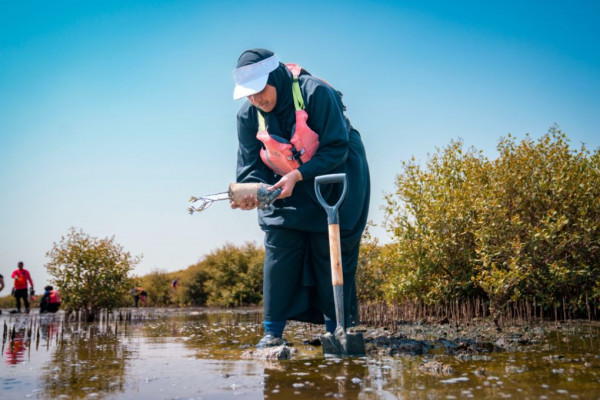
x,y
22,293
49,307
297,276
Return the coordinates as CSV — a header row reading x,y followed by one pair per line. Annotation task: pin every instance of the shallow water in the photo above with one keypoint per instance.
x,y
197,354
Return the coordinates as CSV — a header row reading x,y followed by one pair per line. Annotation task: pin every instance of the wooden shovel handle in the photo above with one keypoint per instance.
x,y
335,253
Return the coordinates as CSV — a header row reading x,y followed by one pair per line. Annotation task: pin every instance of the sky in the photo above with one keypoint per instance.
x,y
113,113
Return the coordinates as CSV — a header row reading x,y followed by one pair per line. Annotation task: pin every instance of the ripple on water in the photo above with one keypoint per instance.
x,y
455,380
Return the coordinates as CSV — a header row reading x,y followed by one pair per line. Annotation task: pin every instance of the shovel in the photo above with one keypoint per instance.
x,y
340,342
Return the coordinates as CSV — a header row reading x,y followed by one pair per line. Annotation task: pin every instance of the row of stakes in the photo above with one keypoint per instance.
x,y
54,326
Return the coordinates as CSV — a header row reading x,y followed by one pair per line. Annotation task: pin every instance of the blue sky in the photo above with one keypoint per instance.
x,y
112,113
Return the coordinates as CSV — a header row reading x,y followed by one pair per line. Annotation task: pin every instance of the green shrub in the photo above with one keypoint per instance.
x,y
524,224
90,273
227,277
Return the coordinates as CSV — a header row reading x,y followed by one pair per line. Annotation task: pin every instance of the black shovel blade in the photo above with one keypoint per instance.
x,y
343,344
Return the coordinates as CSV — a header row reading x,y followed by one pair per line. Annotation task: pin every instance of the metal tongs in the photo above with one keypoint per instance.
x,y
236,193
206,201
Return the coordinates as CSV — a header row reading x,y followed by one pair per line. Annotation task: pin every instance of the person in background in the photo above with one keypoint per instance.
x,y
22,278
287,107
1,286
144,298
50,301
136,296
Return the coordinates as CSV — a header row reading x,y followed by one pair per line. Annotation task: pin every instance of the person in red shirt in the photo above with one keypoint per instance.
x,y
1,286
21,277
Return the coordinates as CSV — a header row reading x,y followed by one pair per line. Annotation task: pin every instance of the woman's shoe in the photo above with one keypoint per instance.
x,y
269,340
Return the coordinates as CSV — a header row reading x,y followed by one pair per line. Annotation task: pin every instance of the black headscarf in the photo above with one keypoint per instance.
x,y
282,118
253,56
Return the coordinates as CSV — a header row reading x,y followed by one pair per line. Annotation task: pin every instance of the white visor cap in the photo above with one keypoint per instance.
x,y
252,78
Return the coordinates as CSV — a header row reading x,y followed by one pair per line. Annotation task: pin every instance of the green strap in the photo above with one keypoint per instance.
x,y
298,100
261,121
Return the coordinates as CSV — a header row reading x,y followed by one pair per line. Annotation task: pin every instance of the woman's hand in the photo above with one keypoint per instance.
x,y
249,202
287,183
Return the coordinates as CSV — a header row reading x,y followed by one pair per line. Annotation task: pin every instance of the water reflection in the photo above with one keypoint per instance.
x,y
48,330
158,354
88,359
18,344
225,335
332,377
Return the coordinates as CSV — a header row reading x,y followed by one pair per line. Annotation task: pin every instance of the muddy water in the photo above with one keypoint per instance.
x,y
195,354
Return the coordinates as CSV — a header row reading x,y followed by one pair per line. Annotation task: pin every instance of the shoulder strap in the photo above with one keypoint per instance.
x,y
298,100
295,69
261,121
